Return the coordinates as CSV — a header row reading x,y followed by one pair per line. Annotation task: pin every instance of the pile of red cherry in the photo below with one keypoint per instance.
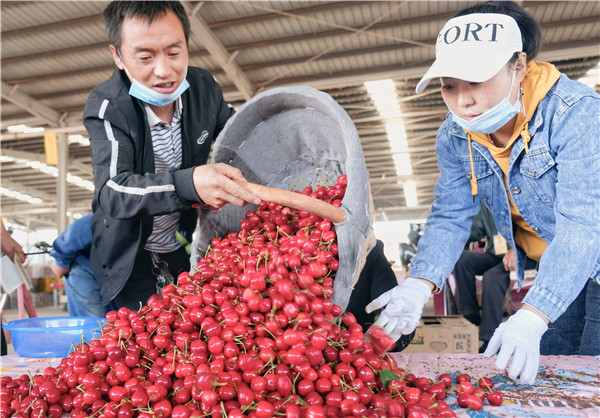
x,y
252,332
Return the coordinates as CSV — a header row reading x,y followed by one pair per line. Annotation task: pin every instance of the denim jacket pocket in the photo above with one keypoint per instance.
x,y
538,169
483,174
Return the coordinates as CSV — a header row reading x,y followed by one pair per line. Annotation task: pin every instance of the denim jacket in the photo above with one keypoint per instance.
x,y
71,249
555,186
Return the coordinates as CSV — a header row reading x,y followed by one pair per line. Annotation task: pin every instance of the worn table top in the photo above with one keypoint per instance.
x,y
567,386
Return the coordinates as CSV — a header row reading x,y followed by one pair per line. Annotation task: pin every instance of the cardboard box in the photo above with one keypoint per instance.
x,y
43,284
444,334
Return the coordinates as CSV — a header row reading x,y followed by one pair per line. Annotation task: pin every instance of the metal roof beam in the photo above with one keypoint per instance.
x,y
431,111
213,44
563,51
47,207
276,14
70,120
29,120
396,179
26,102
26,216
55,52
405,214
79,128
84,20
23,155
569,50
75,163
348,78
31,191
259,18
62,93
62,74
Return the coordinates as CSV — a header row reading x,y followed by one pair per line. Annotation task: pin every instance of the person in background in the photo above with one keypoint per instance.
x,y
376,278
10,248
408,250
494,264
523,138
71,252
151,126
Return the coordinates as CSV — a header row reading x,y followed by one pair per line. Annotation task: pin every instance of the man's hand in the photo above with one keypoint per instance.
x,y
59,271
509,260
215,186
519,338
10,247
403,307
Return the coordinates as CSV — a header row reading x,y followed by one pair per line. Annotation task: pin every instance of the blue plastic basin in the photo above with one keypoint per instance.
x,y
52,336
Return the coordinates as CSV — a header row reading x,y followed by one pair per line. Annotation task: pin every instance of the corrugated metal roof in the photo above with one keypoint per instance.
x,y
55,52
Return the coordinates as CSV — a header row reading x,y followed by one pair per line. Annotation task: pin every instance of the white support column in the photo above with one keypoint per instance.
x,y
62,195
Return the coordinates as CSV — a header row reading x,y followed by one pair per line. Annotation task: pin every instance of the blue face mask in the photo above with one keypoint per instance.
x,y
493,119
147,95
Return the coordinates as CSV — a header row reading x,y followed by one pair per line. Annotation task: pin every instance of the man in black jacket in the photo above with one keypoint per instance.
x,y
151,126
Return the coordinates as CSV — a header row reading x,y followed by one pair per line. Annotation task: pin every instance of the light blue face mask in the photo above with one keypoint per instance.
x,y
147,95
493,119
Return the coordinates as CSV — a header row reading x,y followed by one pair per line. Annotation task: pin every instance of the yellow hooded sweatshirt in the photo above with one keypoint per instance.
x,y
539,79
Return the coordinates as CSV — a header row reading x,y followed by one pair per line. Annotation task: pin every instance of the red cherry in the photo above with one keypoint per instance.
x,y
495,398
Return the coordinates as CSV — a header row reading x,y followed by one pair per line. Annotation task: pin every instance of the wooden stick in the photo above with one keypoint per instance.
x,y
295,200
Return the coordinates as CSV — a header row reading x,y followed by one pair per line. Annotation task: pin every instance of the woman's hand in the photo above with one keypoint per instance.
x,y
10,247
519,338
403,306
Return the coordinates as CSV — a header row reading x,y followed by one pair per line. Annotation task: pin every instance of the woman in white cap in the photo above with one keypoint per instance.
x,y
524,139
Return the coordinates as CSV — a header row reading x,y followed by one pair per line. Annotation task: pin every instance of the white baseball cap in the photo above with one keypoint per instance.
x,y
474,47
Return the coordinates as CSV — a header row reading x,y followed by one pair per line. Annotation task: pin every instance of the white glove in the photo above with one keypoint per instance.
x,y
519,337
403,307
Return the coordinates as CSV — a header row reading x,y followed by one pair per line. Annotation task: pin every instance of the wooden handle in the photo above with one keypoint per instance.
x,y
295,200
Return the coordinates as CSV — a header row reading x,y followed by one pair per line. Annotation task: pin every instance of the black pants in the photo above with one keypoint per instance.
x,y
495,284
142,281
376,278
577,330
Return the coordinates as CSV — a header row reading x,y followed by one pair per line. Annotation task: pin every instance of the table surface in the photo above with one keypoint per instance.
x,y
566,386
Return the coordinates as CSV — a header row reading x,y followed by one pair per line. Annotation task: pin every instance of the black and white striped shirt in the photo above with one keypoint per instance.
x,y
166,143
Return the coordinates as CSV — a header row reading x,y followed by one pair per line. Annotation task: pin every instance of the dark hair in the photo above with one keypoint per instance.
x,y
116,11
531,33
